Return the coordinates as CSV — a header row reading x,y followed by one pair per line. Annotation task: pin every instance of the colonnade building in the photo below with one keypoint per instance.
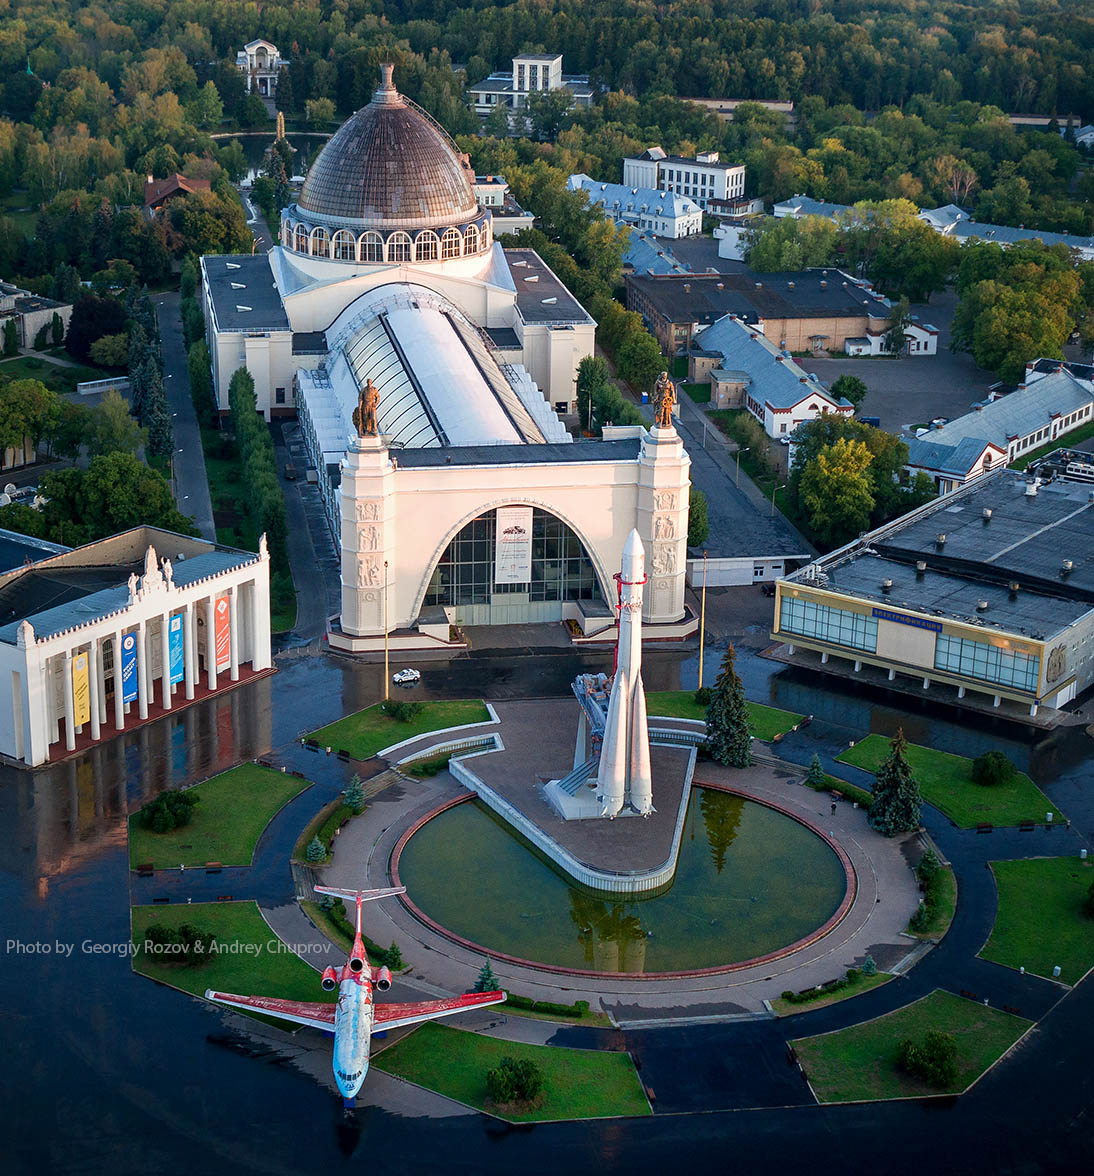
x,y
98,639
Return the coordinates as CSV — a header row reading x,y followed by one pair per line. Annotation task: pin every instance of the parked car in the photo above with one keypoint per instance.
x,y
406,677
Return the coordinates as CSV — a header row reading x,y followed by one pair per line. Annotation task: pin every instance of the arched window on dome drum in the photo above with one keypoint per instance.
x,y
301,239
371,246
450,244
486,236
344,246
320,243
398,247
286,234
471,239
426,246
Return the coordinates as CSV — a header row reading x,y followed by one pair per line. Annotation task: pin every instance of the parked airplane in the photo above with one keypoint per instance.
x,y
354,1016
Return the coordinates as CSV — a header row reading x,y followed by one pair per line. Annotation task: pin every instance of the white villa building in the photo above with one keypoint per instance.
x,y
658,212
101,638
260,63
530,73
704,179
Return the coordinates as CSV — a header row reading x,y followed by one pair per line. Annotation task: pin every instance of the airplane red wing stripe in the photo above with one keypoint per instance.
x,y
426,1009
274,1006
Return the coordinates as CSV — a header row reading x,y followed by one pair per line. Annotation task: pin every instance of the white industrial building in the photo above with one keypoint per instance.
x,y
704,179
661,213
97,640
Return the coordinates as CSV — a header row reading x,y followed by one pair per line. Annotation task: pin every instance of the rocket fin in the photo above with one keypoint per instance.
x,y
641,776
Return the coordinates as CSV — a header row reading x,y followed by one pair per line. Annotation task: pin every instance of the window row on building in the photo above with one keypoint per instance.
x,y
837,625
374,248
989,663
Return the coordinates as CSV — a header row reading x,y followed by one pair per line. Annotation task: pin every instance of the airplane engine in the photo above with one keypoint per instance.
x,y
383,979
330,980
356,965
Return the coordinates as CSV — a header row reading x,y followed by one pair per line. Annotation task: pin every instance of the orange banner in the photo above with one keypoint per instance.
x,y
222,639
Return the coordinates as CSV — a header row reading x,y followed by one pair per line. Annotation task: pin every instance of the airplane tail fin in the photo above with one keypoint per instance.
x,y
363,895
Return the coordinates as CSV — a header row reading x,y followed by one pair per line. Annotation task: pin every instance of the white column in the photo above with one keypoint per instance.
x,y
70,703
119,707
102,679
93,684
210,641
961,692
165,657
189,651
233,635
142,670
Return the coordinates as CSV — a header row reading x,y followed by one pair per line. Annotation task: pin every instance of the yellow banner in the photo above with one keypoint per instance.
x,y
81,692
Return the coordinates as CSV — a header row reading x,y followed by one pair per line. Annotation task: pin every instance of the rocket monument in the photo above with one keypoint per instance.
x,y
624,779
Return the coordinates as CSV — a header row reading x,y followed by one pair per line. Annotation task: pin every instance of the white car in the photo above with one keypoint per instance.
x,y
406,677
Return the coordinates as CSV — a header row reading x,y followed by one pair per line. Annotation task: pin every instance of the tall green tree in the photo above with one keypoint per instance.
x,y
11,337
896,804
698,517
593,375
849,388
836,492
111,429
727,717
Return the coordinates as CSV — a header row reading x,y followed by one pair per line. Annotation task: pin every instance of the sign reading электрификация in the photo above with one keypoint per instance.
x,y
884,614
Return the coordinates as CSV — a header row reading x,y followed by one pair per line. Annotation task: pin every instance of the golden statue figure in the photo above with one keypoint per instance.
x,y
364,415
664,397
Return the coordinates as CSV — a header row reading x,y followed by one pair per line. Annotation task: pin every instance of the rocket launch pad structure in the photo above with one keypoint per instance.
x,y
613,776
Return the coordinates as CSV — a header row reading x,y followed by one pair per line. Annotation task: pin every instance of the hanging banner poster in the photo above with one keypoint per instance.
x,y
129,667
513,545
221,638
174,646
81,693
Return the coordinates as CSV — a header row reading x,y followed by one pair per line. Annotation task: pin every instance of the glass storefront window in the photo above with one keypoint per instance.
x,y
836,625
978,659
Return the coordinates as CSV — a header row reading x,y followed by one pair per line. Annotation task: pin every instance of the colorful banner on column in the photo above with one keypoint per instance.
x,y
223,638
129,667
513,545
174,647
81,693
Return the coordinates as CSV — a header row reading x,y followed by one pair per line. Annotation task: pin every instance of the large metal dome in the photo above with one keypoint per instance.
x,y
392,166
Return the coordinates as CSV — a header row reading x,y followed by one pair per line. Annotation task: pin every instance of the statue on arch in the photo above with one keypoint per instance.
x,y
664,397
364,415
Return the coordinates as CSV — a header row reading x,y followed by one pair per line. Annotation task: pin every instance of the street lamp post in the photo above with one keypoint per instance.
x,y
774,490
746,449
387,675
703,622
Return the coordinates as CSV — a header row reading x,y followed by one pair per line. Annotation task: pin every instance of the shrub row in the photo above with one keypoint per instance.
x,y
577,1010
929,873
264,501
390,957
826,989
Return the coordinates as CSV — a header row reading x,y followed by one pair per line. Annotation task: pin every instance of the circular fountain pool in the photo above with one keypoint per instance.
x,y
750,881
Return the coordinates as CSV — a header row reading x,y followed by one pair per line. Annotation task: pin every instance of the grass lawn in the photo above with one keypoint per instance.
x,y
579,1084
786,1008
700,393
259,971
55,377
19,208
366,732
847,791
1068,440
234,809
765,721
946,781
1040,922
859,1064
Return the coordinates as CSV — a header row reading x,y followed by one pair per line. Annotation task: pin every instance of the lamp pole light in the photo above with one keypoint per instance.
x,y
774,491
747,449
703,621
387,675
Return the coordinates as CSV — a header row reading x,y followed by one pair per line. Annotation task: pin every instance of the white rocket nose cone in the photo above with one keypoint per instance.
x,y
634,558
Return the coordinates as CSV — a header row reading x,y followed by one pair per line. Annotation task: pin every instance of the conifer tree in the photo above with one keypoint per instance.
x,y
727,717
896,803
315,851
487,981
354,793
816,776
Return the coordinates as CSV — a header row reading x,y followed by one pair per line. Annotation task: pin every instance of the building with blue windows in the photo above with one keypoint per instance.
x,y
988,590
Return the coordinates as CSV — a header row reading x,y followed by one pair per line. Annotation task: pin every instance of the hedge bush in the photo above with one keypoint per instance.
x,y
821,990
263,498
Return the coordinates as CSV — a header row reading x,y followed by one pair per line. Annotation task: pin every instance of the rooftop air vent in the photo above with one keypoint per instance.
x,y
940,538
987,514
790,285
1012,588
1031,489
1066,567
824,284
920,567
886,586
758,285
981,606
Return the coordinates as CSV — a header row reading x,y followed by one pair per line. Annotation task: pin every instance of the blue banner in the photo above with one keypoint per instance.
x,y
174,645
885,614
129,667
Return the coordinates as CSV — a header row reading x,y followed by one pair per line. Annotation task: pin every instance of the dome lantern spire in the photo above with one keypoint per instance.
x,y
386,94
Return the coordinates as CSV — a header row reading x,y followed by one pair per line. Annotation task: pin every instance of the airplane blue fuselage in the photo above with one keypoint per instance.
x,y
352,1034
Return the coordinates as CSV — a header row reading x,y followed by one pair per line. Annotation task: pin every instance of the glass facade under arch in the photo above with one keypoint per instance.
x,y
561,568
